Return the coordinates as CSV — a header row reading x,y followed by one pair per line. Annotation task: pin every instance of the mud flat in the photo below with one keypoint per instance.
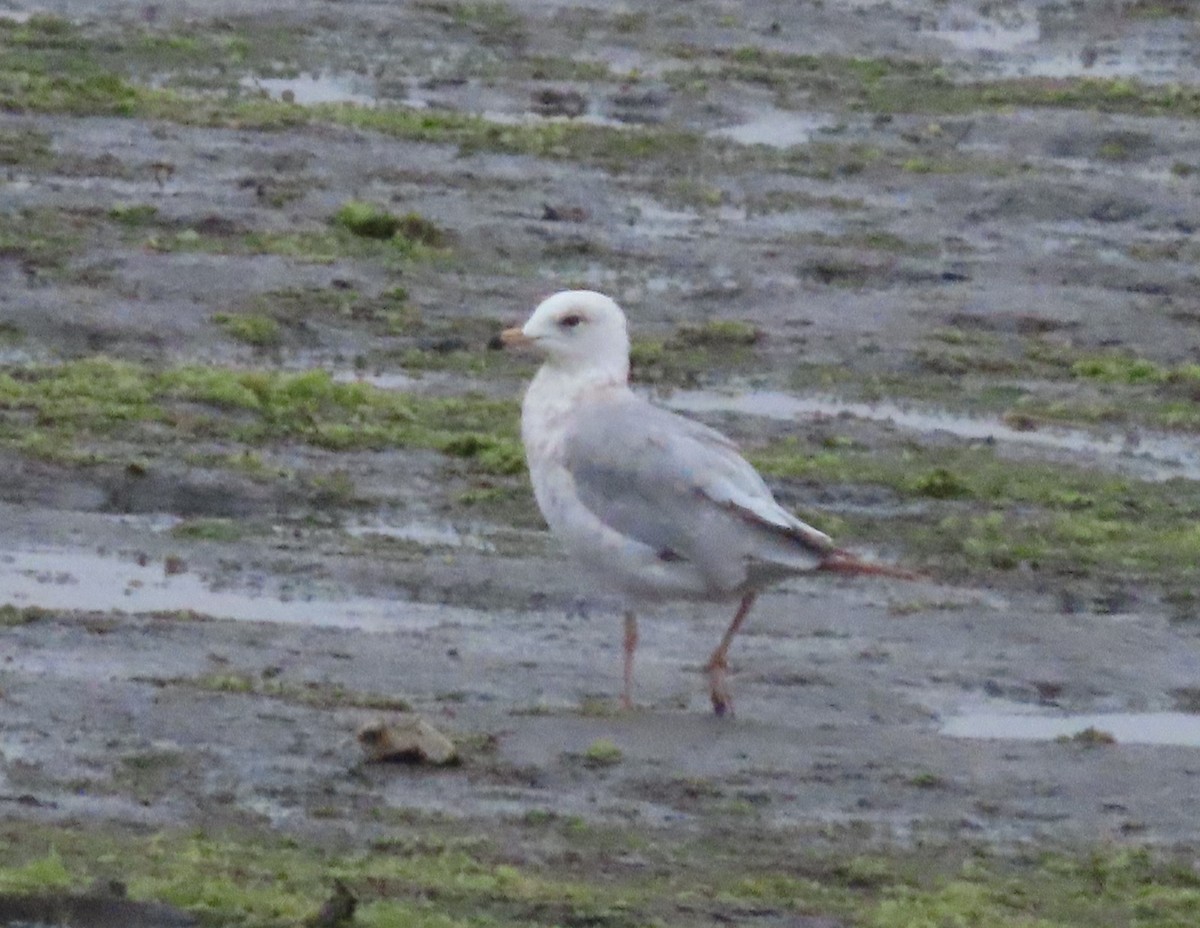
x,y
932,264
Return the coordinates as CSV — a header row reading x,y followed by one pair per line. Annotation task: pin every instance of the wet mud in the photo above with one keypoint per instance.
x,y
932,264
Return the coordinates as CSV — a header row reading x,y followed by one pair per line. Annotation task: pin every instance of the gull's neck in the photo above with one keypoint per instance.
x,y
557,390
567,382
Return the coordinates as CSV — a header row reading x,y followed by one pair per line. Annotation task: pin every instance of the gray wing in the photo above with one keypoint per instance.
x,y
681,488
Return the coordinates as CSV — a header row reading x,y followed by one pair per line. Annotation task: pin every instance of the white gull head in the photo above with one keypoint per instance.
x,y
581,331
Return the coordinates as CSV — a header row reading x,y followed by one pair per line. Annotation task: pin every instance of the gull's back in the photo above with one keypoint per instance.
x,y
679,493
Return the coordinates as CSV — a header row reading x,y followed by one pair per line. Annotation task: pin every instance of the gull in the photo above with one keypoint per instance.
x,y
654,505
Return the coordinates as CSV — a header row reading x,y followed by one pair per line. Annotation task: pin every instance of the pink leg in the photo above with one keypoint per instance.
x,y
718,689
631,643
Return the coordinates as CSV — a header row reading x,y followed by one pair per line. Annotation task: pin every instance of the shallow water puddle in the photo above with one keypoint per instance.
x,y
422,533
1152,49
589,118
1153,457
384,380
777,128
78,579
311,89
1152,59
1160,728
987,35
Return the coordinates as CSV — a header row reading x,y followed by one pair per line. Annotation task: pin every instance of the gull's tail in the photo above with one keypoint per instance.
x,y
843,562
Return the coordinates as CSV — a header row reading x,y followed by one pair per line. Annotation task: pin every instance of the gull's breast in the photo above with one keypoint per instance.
x,y
622,564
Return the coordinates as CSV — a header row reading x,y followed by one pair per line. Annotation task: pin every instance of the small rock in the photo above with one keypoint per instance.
x,y
551,102
442,344
411,740
213,224
639,98
563,213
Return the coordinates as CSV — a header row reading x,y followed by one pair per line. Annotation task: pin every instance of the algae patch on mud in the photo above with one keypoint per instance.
x,y
313,693
543,870
899,85
694,352
980,511
50,65
1029,375
251,328
54,66
370,221
68,405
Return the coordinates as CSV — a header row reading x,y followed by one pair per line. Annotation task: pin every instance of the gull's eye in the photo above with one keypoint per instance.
x,y
569,322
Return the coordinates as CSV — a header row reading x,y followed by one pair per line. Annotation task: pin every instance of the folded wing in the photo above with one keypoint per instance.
x,y
683,489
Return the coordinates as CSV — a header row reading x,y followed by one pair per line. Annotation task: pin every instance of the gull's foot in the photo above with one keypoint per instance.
x,y
718,689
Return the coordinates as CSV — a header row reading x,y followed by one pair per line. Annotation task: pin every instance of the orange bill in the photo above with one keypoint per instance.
x,y
514,337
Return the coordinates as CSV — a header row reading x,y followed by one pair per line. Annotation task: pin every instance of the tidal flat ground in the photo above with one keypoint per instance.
x,y
931,262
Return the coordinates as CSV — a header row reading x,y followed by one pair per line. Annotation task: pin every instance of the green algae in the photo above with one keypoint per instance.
x,y
81,401
251,329
43,240
319,245
983,512
223,530
367,220
602,753
49,65
694,351
1029,379
38,75
717,333
133,214
313,693
389,312
38,874
895,85
545,870
12,616
24,147
370,221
